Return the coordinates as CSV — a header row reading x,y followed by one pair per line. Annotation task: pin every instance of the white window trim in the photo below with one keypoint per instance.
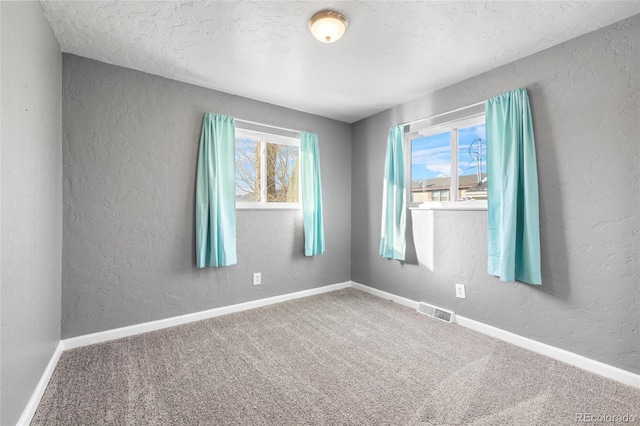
x,y
265,137
461,123
449,205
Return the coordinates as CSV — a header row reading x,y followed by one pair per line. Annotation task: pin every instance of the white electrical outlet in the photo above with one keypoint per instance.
x,y
257,278
460,291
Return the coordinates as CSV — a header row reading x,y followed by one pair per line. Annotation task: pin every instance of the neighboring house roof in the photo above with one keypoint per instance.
x,y
478,191
435,184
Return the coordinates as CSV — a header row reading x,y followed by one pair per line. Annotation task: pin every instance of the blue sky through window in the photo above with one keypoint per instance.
x,y
472,150
431,155
247,158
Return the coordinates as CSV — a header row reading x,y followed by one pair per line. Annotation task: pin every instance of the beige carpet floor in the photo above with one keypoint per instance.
x,y
339,358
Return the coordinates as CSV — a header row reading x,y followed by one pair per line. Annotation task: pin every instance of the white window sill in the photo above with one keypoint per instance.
x,y
270,206
460,205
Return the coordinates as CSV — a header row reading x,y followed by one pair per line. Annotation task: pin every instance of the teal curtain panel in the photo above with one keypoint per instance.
x,y
311,183
513,216
394,203
215,193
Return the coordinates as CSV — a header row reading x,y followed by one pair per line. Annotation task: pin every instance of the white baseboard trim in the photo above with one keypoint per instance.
x,y
597,367
571,358
36,396
384,295
132,330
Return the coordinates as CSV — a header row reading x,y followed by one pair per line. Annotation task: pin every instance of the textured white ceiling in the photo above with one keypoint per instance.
x,y
392,51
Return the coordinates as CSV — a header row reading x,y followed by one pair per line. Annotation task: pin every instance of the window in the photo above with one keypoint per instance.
x,y
448,161
267,170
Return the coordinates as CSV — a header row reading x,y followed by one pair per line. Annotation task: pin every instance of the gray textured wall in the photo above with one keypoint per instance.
x,y
584,96
31,165
130,150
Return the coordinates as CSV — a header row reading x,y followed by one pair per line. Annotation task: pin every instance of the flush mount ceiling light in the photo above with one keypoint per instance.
x,y
328,25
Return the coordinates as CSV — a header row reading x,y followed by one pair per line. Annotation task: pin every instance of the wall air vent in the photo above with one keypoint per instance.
x,y
435,312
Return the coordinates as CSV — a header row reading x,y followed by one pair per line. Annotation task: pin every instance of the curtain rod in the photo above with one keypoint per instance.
x,y
267,125
408,123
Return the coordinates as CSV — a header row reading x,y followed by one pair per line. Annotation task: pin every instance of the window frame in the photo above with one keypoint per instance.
x,y
451,126
264,138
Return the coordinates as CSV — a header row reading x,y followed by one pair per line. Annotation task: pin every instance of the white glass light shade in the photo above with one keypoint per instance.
x,y
328,26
